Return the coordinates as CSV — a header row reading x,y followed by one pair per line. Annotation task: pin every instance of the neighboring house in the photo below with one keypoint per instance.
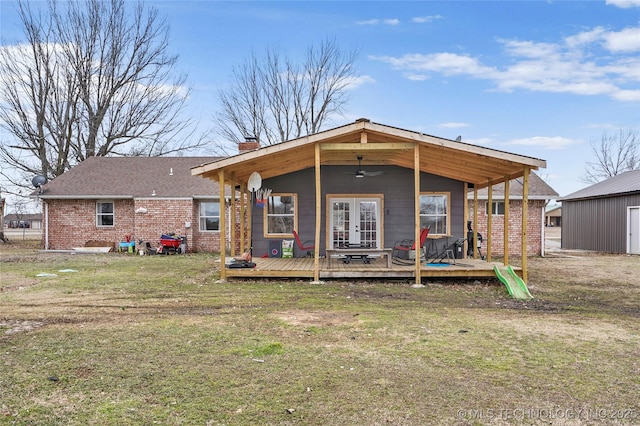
x,y
553,215
27,220
604,217
368,184
108,198
539,195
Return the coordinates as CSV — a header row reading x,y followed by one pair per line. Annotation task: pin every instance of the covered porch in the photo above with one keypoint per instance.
x,y
414,164
304,268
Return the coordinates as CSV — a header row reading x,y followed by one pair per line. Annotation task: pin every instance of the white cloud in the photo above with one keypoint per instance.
x,y
589,63
627,95
627,40
545,142
416,77
585,38
446,63
602,126
625,4
425,19
453,125
369,22
355,82
375,21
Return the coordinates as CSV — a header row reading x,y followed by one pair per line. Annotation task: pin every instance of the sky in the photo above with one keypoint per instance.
x,y
544,79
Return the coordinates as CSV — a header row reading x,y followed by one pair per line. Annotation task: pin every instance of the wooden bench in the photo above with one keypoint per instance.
x,y
363,253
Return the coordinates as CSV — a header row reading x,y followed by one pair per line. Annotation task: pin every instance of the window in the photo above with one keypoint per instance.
x,y
104,213
434,212
497,207
209,216
280,215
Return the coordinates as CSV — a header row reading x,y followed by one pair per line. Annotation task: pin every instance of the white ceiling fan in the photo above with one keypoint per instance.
x,y
360,173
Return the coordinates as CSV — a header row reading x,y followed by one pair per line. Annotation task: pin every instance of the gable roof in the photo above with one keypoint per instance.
x,y
627,182
132,177
379,145
538,190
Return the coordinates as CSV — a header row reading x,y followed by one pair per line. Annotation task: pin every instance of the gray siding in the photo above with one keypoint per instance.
x,y
396,185
598,224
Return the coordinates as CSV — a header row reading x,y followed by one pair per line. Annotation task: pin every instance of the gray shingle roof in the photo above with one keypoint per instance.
x,y
538,190
623,183
132,177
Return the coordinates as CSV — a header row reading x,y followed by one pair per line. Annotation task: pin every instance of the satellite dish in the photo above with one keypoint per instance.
x,y
38,181
459,138
255,182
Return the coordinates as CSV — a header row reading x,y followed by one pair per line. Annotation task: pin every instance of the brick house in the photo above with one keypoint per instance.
x,y
107,198
540,193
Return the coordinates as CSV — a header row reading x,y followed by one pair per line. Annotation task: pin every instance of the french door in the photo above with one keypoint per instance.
x,y
354,221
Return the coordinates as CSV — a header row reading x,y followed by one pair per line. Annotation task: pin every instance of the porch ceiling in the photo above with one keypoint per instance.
x,y
378,145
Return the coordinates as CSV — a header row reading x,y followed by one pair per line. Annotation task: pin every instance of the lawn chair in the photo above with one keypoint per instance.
x,y
406,249
304,246
449,252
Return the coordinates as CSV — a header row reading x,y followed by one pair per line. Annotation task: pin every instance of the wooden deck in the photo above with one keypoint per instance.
x,y
303,268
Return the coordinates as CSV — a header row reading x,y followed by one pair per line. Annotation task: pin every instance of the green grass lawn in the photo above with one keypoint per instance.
x,y
159,340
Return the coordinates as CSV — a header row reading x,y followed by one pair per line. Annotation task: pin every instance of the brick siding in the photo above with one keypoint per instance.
x,y
73,222
534,227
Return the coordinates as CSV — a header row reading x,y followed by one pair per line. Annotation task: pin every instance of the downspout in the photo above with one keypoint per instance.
x,y
489,219
505,244
223,226
229,243
542,230
46,225
524,221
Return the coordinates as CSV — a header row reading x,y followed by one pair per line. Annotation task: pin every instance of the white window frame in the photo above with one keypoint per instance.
x,y
495,208
424,222
293,214
100,214
203,217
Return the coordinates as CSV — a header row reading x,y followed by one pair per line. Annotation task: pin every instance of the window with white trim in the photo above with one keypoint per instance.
x,y
434,212
280,215
497,207
209,216
105,215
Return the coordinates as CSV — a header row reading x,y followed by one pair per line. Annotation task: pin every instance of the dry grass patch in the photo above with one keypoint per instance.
x,y
158,340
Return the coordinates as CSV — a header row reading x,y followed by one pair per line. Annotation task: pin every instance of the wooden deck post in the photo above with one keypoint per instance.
x,y
475,222
316,251
223,226
243,210
525,220
506,220
232,215
416,232
465,214
489,220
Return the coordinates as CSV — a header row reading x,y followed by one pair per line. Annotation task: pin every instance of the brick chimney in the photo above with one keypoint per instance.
x,y
249,144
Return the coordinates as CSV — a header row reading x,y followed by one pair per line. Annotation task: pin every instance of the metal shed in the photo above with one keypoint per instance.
x,y
604,217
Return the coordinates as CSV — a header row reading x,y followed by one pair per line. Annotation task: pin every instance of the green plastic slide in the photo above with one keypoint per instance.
x,y
514,284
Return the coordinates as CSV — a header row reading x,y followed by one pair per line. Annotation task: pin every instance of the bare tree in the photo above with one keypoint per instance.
x,y
93,78
614,154
275,99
